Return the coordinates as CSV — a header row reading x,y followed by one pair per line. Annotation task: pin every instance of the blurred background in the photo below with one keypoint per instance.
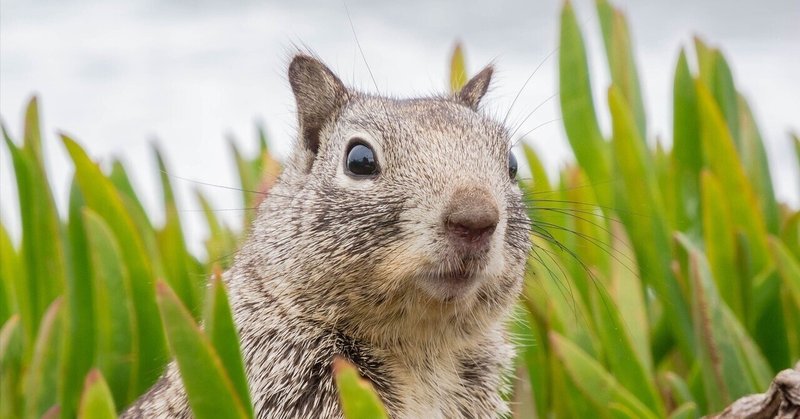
x,y
190,74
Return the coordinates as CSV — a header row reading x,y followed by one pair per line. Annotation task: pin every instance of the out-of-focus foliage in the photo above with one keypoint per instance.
x,y
663,282
356,394
681,273
85,329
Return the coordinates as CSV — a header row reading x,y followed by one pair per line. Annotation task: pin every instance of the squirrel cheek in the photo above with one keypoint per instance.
x,y
402,262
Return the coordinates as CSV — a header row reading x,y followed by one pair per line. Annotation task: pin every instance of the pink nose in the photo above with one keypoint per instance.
x,y
470,220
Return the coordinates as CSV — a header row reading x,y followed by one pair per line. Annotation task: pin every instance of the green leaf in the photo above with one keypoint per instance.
x,y
679,390
51,272
627,292
221,331
358,398
249,178
792,313
221,243
117,338
263,142
724,372
685,411
79,344
687,156
788,267
621,65
790,233
619,411
716,75
54,412
589,232
665,179
9,276
592,380
175,258
769,329
756,165
209,389
645,220
577,106
605,13
130,201
567,220
458,69
576,405
105,200
32,135
726,96
552,295
540,183
755,365
723,160
705,61
119,177
720,243
26,289
624,361
41,249
11,372
42,378
96,400
533,354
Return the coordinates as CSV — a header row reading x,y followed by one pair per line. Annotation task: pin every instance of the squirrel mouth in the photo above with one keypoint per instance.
x,y
453,282
459,269
453,278
457,276
451,285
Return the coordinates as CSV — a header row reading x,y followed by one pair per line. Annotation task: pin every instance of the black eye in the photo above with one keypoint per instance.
x,y
512,166
361,160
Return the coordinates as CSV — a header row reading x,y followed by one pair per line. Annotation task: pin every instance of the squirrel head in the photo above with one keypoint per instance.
x,y
395,219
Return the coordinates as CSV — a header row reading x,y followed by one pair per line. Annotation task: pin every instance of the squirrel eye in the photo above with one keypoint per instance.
x,y
360,160
512,166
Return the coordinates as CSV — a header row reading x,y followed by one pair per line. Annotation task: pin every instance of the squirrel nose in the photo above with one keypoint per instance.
x,y
470,219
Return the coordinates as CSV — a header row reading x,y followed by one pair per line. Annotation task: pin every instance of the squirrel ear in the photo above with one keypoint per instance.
x,y
319,95
472,92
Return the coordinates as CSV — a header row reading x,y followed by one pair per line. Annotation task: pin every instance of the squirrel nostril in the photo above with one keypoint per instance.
x,y
470,219
470,232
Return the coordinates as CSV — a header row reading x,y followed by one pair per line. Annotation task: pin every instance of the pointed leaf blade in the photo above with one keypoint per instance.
x,y
209,389
96,400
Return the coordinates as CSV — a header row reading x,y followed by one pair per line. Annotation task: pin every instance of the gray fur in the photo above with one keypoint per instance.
x,y
472,92
360,267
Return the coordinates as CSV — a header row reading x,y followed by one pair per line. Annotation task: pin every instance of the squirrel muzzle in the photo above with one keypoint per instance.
x,y
470,220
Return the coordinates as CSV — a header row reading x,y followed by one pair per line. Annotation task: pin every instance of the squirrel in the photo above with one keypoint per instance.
x,y
397,238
